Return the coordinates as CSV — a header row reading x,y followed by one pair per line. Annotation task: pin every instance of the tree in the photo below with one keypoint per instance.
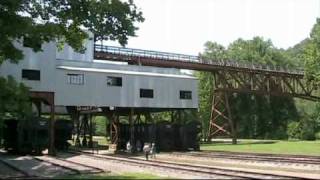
x,y
254,116
266,116
14,100
312,55
213,51
39,21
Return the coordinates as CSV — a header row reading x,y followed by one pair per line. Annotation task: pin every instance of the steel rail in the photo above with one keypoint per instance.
x,y
252,157
189,168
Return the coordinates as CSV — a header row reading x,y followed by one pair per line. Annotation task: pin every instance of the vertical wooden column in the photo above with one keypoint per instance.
x,y
38,106
131,123
90,130
51,150
77,118
85,129
114,129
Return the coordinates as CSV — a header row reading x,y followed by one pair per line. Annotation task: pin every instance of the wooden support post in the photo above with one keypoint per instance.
x,y
90,130
131,124
114,129
38,105
85,129
107,127
77,144
172,116
51,150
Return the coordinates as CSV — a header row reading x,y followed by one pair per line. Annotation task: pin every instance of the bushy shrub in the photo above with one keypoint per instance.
x,y
308,127
303,130
294,130
317,135
100,126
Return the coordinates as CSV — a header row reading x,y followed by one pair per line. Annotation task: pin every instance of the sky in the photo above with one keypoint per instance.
x,y
183,26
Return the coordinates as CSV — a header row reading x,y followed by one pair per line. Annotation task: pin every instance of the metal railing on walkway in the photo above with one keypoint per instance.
x,y
193,59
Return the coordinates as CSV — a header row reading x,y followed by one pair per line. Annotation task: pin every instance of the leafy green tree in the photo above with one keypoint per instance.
x,y
213,51
267,115
255,116
295,54
14,100
294,130
312,55
42,21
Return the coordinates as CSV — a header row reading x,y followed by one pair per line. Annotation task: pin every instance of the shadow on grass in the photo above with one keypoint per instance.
x,y
239,143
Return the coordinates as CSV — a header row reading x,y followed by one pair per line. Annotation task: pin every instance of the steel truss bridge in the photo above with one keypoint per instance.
x,y
229,77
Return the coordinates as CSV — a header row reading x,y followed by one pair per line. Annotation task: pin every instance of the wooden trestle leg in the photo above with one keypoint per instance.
x,y
114,129
221,118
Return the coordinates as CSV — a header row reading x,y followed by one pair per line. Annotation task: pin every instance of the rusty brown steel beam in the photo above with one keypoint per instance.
x,y
263,84
192,65
310,98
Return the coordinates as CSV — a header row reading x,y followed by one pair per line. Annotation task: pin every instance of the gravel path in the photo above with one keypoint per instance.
x,y
307,171
118,167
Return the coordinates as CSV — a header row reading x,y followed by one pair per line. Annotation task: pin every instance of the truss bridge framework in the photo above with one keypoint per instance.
x,y
229,77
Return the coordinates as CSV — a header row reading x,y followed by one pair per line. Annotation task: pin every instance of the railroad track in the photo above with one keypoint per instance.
x,y
77,168
263,154
255,157
196,169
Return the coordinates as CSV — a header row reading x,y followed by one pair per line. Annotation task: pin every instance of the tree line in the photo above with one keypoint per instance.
x,y
265,116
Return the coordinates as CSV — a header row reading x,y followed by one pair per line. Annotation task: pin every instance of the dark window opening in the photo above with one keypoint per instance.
x,y
185,95
76,79
29,74
114,81
146,93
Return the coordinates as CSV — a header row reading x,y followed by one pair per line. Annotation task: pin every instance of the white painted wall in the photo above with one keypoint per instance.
x,y
54,66
67,53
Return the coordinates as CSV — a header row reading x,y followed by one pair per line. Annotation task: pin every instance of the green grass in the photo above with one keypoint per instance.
x,y
112,176
101,140
276,147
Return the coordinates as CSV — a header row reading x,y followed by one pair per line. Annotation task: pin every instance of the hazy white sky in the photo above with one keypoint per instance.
x,y
183,26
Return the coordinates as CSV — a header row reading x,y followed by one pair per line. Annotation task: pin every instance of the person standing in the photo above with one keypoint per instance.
x,y
146,149
153,150
129,148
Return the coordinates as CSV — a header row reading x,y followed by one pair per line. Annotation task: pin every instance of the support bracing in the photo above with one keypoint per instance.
x,y
221,119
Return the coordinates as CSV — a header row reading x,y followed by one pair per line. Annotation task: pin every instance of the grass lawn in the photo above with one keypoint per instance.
x,y
276,147
109,176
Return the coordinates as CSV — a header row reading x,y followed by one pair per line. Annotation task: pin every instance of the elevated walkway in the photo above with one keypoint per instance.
x,y
181,61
